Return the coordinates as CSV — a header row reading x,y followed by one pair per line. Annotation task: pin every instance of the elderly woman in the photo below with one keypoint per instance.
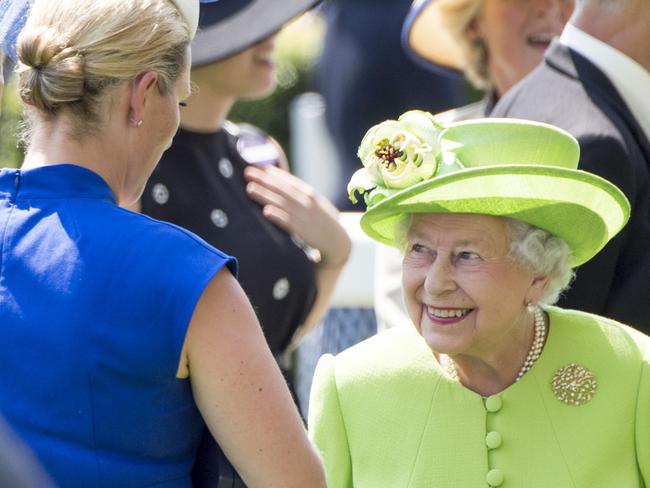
x,y
123,337
493,386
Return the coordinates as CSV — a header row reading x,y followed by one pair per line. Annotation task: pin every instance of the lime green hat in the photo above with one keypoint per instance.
x,y
505,167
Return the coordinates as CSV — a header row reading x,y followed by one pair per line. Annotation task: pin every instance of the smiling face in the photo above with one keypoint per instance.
x,y
516,33
249,74
463,292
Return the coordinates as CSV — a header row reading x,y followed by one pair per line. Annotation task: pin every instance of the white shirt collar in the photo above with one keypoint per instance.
x,y
630,78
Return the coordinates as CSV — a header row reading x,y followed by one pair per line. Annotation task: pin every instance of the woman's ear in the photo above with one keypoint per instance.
x,y
537,288
473,31
141,90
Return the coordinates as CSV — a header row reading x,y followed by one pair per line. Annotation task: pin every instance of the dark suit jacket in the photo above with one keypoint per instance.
x,y
568,91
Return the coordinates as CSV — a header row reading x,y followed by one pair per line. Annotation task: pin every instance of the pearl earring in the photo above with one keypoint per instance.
x,y
530,307
138,124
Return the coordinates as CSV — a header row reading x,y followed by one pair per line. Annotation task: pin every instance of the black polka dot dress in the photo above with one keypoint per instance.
x,y
199,185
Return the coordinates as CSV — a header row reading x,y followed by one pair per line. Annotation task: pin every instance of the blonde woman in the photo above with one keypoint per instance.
x,y
124,336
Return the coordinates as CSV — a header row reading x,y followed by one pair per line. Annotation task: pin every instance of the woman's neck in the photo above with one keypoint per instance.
x,y
52,144
486,377
206,111
497,369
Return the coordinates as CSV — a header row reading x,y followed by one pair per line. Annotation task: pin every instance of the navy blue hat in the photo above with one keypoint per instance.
x,y
227,27
13,14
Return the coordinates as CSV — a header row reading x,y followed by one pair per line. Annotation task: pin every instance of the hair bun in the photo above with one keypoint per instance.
x,y
50,72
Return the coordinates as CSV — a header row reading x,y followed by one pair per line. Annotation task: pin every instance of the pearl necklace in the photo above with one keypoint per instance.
x,y
533,353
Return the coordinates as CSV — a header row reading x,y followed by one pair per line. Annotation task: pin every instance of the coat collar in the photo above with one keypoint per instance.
x,y
598,87
54,181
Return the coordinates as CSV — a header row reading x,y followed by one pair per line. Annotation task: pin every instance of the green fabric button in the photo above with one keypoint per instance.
x,y
494,477
493,440
493,403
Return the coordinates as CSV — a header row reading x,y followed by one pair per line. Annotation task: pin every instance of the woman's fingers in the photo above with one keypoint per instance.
x,y
278,188
265,196
279,217
278,180
297,208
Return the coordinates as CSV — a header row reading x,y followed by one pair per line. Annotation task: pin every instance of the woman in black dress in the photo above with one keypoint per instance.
x,y
228,183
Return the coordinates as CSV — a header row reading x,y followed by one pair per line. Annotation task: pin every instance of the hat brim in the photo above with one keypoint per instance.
x,y
583,209
246,27
428,41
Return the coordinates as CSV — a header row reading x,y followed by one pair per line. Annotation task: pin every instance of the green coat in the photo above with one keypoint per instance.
x,y
384,415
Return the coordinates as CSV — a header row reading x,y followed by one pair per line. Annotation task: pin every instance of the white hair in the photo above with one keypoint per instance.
x,y
543,255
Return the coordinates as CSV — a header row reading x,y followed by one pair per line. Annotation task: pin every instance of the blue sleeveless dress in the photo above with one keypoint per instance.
x,y
95,302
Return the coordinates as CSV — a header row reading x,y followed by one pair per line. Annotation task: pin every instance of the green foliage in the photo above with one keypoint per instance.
x,y
10,118
297,49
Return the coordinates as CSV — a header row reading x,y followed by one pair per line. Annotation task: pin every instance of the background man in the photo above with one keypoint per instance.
x,y
595,83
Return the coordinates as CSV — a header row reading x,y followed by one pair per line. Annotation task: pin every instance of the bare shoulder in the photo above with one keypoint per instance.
x,y
233,374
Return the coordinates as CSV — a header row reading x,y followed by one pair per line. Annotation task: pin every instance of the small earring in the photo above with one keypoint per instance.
x,y
138,124
530,307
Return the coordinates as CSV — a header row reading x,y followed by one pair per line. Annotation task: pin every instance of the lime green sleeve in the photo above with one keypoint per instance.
x,y
326,426
643,422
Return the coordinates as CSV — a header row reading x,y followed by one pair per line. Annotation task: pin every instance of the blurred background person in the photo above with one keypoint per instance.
x,y
594,83
229,183
144,331
494,43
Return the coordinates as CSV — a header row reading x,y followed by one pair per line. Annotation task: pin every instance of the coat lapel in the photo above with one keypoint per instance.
x,y
598,88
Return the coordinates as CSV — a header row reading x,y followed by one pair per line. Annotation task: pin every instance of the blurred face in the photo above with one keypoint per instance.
x,y
516,33
462,291
249,74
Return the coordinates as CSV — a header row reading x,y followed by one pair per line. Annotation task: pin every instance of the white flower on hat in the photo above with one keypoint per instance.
x,y
396,154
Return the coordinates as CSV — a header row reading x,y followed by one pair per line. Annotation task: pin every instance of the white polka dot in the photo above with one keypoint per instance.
x,y
219,218
160,193
281,288
225,168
